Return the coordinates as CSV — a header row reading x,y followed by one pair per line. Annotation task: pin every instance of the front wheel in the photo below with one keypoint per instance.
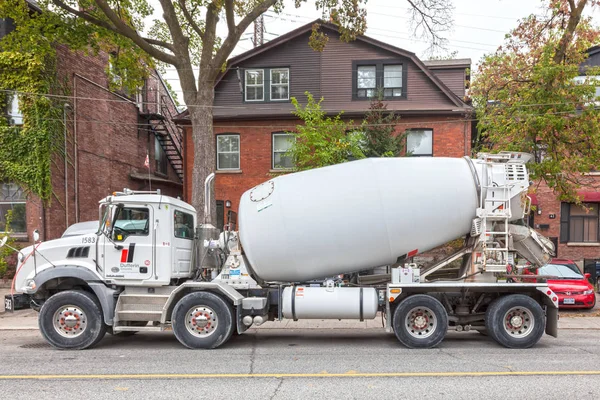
x,y
420,322
72,320
515,321
202,320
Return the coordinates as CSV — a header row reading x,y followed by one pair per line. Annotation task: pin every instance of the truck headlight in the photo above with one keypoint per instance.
x,y
30,284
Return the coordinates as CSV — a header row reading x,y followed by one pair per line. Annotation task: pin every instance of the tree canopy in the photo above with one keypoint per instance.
x,y
534,95
185,37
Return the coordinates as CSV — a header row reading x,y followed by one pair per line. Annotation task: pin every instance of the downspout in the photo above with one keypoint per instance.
x,y
75,149
65,106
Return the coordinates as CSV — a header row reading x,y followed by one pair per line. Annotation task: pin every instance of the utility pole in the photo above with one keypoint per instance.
x,y
259,29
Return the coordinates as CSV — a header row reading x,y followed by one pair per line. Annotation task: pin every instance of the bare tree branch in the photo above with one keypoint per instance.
x,y
145,44
234,35
574,19
431,18
181,50
229,13
189,18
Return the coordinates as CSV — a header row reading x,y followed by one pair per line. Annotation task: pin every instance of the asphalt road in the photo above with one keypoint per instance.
x,y
299,364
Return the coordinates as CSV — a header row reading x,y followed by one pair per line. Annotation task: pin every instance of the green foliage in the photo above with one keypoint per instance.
x,y
25,151
379,128
322,140
6,253
527,100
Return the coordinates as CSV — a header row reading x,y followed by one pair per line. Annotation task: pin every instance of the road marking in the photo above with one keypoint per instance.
x,y
299,375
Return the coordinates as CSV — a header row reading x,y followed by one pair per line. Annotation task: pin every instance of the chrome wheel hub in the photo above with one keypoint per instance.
x,y
420,322
201,321
518,322
69,321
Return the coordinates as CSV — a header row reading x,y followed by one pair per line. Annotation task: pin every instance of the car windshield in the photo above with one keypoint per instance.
x,y
559,271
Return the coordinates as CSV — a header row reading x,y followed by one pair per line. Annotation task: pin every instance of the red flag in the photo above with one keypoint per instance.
x,y
147,162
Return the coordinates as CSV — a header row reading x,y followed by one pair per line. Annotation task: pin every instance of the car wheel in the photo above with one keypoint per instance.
x,y
202,320
420,322
72,320
515,321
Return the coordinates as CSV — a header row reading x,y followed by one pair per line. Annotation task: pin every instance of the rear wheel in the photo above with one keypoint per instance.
x,y
515,321
202,320
72,320
420,321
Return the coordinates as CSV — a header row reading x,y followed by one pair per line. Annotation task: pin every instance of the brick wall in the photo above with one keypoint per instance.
x,y
111,145
451,138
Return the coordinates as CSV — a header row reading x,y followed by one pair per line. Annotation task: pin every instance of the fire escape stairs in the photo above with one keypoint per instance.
x,y
169,137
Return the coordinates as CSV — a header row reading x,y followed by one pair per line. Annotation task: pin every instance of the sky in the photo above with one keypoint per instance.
x,y
479,26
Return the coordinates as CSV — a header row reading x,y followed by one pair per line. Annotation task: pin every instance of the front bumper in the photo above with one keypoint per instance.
x,y
577,301
16,302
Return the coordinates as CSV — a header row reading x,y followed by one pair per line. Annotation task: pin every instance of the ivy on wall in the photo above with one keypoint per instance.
x,y
26,150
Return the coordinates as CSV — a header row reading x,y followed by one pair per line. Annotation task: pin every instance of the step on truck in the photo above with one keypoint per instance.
x,y
331,243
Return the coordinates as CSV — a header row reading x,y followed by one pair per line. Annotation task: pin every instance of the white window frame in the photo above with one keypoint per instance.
x,y
11,203
392,88
279,84
366,89
246,85
273,149
15,115
229,152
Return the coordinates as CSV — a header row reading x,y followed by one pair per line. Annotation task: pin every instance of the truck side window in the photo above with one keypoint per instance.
x,y
184,225
131,221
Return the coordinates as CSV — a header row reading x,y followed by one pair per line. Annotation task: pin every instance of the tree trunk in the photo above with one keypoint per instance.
x,y
201,117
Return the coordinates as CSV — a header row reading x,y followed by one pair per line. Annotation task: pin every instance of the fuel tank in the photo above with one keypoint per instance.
x,y
353,216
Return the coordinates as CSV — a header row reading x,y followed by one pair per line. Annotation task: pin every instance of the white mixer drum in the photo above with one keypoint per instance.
x,y
354,216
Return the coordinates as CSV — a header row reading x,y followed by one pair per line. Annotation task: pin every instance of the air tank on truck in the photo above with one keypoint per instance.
x,y
303,240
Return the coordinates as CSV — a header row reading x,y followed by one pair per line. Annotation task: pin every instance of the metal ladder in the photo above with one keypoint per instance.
x,y
495,213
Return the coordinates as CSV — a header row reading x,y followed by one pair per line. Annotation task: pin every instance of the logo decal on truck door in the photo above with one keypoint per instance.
x,y
127,254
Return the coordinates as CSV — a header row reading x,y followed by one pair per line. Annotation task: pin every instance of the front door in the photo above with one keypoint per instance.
x,y
129,252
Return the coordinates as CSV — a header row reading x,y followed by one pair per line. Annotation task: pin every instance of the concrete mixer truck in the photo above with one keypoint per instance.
x,y
331,243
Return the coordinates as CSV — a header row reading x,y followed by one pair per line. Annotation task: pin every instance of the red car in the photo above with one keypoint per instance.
x,y
572,287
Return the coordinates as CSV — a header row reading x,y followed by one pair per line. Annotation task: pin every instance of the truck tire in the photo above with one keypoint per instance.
x,y
202,320
72,320
515,321
420,322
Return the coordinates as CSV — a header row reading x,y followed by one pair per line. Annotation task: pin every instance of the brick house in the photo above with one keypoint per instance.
x,y
108,135
253,111
573,229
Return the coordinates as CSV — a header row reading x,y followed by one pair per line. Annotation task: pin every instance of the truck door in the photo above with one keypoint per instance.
x,y
183,237
129,252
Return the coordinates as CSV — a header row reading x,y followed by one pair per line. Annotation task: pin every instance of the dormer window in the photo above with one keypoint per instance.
x,y
255,85
380,76
267,84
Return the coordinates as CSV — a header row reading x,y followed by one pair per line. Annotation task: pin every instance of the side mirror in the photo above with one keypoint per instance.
x,y
587,275
36,236
3,241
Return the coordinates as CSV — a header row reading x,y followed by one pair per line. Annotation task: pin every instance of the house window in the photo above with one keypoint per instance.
x,y
579,223
375,78
160,158
419,142
392,80
255,85
366,81
13,199
14,114
280,84
282,142
228,152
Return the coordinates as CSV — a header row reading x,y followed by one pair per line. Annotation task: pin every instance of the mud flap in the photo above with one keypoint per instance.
x,y
552,321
